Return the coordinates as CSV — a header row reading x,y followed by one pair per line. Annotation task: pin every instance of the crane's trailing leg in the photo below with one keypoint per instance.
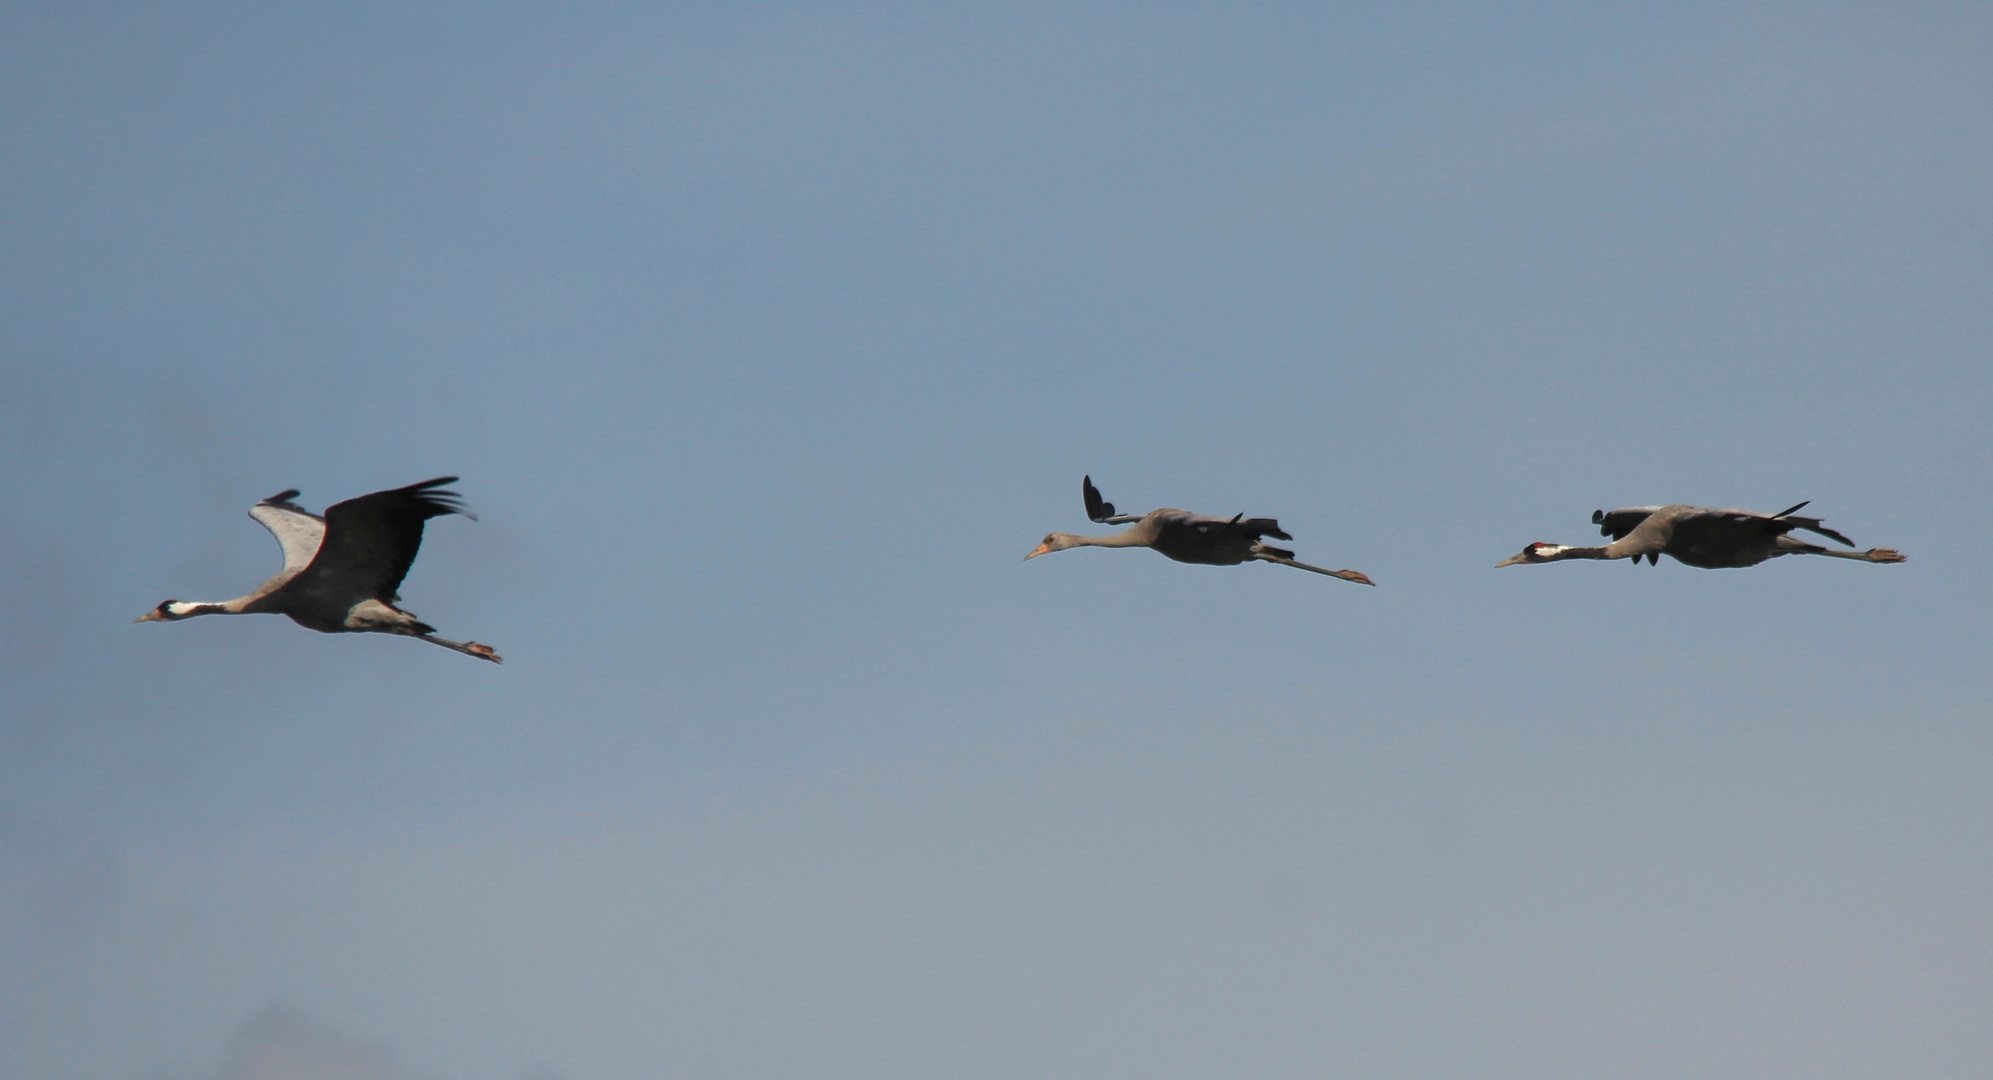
x,y
385,618
1871,555
468,648
1347,575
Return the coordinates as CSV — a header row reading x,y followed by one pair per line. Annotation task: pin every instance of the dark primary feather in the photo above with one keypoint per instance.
x,y
1100,510
1097,509
1620,522
283,499
371,541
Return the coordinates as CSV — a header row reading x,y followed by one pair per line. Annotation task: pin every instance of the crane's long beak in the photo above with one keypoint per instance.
x,y
1037,551
1511,561
150,616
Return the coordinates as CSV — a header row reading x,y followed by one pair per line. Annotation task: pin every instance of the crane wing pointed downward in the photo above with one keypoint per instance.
x,y
370,542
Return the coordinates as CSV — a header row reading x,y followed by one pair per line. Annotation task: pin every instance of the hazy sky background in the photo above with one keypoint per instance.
x,y
768,338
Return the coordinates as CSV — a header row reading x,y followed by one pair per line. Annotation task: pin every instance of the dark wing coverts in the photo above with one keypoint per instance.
x,y
371,541
1240,524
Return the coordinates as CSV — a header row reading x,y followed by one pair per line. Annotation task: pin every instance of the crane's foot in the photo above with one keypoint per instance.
x,y
468,648
1883,555
1357,576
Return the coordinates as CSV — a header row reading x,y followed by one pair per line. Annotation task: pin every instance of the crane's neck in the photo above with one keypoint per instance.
x,y
1554,553
1133,536
184,609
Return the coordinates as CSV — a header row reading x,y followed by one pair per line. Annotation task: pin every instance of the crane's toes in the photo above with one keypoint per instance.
x,y
483,652
1884,555
1355,575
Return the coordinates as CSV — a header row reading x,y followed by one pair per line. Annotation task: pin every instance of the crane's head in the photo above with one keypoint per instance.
x,y
1534,553
175,610
1052,542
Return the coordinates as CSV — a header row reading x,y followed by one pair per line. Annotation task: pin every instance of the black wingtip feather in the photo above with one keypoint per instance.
x,y
1097,509
442,502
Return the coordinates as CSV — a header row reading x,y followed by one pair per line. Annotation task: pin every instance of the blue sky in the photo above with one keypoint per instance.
x,y
768,338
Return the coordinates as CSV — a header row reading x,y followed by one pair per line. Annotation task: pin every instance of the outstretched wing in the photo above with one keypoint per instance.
x,y
1100,510
371,541
297,531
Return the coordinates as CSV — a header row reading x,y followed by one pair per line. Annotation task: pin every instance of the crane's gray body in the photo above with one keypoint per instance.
x,y
1704,538
1700,537
1200,538
1187,537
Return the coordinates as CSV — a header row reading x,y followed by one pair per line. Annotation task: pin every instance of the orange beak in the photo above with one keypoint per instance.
x,y
1037,551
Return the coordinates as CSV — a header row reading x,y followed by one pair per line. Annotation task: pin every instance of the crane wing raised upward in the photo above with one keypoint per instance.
x,y
1100,510
1618,523
298,532
371,541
